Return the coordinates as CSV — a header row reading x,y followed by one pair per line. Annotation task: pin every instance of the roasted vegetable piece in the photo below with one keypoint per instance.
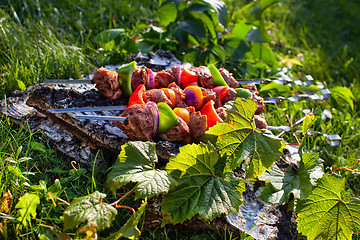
x,y
137,96
125,75
194,96
218,79
188,78
221,91
167,117
243,93
183,113
212,117
171,96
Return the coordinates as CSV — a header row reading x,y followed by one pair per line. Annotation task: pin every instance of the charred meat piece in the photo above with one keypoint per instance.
x,y
205,79
179,133
260,122
107,82
209,95
180,95
251,87
260,101
197,124
255,97
156,95
230,96
221,111
138,77
138,124
228,77
165,77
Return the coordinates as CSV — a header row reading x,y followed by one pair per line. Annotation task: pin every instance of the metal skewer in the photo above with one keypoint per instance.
x,y
98,117
87,109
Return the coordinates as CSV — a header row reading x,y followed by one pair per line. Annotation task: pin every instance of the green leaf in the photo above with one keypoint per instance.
x,y
240,141
21,85
136,163
200,191
130,229
167,14
108,39
344,94
220,9
299,183
240,30
254,35
280,186
307,123
312,165
88,209
109,35
277,88
26,208
15,172
326,214
264,53
193,28
36,146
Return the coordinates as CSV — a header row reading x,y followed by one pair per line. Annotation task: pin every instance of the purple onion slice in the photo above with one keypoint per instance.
x,y
155,112
150,80
191,97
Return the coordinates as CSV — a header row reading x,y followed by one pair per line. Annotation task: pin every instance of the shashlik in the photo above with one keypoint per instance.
x,y
174,104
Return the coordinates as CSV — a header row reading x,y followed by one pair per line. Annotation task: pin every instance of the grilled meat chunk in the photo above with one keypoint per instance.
x,y
221,111
251,87
156,95
138,77
179,133
228,77
260,122
255,97
138,124
180,95
205,79
197,124
107,83
230,96
165,77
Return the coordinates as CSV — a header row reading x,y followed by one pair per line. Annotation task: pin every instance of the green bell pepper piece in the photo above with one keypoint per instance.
x,y
125,74
218,79
243,93
167,117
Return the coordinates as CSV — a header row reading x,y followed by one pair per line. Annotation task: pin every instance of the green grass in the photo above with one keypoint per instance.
x,y
55,39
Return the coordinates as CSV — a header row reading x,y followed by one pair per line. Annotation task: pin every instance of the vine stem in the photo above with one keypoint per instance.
x,y
114,204
347,168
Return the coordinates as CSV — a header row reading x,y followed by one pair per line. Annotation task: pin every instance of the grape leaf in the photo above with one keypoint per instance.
x,y
136,163
299,182
129,229
326,214
200,190
238,139
27,208
89,208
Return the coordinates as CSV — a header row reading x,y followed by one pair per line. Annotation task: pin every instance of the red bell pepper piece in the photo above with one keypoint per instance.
x,y
137,96
209,110
188,78
221,91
